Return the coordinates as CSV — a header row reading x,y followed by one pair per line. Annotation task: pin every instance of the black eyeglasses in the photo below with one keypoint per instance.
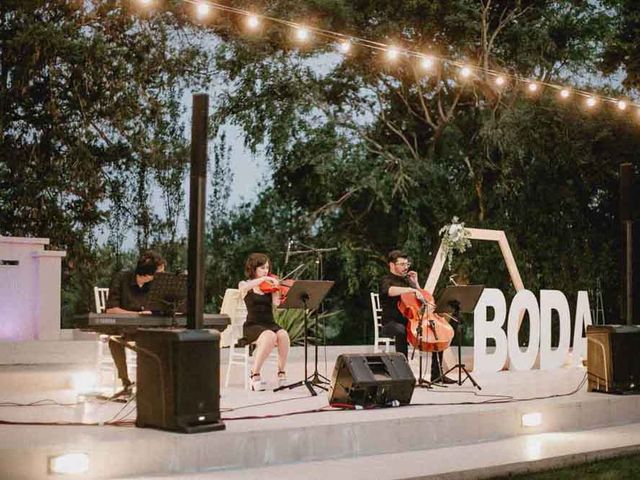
x,y
403,264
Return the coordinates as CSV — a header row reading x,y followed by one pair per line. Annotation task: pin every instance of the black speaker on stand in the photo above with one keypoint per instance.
x,y
613,363
178,380
379,379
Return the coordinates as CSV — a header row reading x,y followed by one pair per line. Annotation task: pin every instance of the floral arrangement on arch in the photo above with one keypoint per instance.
x,y
455,238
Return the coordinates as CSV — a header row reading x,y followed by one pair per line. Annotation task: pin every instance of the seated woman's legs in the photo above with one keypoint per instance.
x,y
283,343
264,345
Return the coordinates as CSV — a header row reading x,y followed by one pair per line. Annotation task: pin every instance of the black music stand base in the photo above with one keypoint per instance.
x,y
456,299
459,366
306,294
291,386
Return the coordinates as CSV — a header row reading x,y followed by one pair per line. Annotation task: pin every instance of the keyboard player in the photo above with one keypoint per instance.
x,y
129,293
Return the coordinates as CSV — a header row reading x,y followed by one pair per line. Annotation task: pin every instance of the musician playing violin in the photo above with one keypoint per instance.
x,y
401,280
260,295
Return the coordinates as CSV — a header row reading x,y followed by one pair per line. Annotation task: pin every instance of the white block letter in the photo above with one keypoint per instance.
x,y
551,300
523,360
483,329
583,318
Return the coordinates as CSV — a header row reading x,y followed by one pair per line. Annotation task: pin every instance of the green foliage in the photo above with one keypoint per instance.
x,y
372,157
90,99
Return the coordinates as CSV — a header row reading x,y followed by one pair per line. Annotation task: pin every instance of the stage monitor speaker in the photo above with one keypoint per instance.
x,y
381,379
178,380
613,360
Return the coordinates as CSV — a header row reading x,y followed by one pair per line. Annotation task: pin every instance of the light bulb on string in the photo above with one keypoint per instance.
x,y
622,105
465,72
500,81
145,3
302,34
533,87
591,102
427,63
253,22
565,93
345,46
392,54
202,10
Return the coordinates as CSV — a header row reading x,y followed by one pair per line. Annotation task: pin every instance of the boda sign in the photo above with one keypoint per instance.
x,y
540,319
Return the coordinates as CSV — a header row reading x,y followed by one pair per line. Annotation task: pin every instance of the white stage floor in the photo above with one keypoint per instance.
x,y
455,431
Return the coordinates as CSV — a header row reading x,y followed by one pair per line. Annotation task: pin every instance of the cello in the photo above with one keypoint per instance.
x,y
436,331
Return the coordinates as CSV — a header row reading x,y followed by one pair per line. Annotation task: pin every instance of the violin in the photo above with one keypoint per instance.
x,y
283,287
436,331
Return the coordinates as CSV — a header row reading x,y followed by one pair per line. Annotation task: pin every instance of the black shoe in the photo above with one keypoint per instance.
x,y
447,381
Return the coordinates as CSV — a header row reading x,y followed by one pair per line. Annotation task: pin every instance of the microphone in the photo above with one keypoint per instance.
x,y
286,255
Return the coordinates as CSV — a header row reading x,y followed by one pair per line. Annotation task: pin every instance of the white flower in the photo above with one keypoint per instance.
x,y
455,238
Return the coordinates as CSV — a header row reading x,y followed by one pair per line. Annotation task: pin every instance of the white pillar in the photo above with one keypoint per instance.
x,y
30,278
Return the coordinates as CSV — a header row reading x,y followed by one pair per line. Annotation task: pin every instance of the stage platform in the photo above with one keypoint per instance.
x,y
454,432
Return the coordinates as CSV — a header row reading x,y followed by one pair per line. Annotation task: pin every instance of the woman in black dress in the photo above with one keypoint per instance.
x,y
260,327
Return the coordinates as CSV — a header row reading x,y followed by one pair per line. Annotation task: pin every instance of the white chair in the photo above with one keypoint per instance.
x,y
104,362
234,306
376,311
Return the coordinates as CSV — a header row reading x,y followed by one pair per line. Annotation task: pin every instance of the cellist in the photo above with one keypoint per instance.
x,y
398,281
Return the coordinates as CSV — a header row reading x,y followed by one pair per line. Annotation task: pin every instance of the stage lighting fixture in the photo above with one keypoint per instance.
x,y
69,463
533,419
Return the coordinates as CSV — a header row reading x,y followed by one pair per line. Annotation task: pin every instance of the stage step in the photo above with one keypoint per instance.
x,y
523,454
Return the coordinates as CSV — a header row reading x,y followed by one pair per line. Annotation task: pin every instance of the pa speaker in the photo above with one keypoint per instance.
x,y
178,380
371,379
613,363
629,193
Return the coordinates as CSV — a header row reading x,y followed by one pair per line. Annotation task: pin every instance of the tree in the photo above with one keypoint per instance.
x,y
377,156
90,99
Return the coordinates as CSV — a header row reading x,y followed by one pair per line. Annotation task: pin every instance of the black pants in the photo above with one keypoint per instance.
x,y
398,332
120,358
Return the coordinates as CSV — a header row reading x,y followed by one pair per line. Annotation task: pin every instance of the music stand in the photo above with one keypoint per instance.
x,y
453,301
306,295
168,295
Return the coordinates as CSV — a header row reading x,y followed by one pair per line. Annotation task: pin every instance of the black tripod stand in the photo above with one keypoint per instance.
x,y
456,300
316,378
305,294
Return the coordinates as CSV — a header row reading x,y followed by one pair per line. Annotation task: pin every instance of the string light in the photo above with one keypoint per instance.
x,y
465,72
345,46
202,10
253,22
427,63
302,34
392,53
145,3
